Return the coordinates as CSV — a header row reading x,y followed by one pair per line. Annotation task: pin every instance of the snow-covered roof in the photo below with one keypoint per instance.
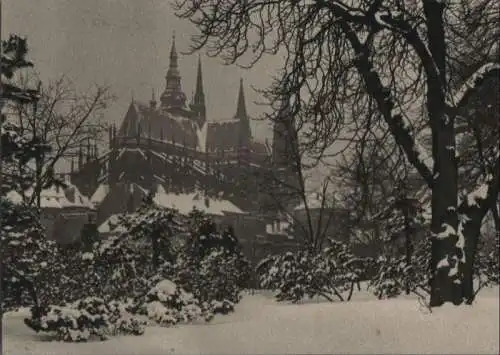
x,y
58,197
186,202
110,225
100,194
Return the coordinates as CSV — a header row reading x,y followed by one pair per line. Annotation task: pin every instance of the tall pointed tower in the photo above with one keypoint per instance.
x,y
284,162
173,97
198,104
245,133
285,138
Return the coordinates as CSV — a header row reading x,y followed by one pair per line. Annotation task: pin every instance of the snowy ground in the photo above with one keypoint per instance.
x,y
261,326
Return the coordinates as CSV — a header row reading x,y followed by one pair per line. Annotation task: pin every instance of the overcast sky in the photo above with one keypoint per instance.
x,y
125,44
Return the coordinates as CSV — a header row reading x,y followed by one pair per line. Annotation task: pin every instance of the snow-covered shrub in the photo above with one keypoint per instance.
x,y
487,263
395,275
168,304
85,319
27,256
212,266
328,273
216,279
153,228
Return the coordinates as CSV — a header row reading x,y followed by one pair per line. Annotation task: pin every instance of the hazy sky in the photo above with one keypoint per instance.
x,y
125,44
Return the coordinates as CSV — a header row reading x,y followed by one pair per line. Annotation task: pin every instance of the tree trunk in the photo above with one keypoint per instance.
x,y
447,255
496,218
408,246
471,229
472,239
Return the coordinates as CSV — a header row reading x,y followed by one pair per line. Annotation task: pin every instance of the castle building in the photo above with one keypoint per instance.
x,y
170,147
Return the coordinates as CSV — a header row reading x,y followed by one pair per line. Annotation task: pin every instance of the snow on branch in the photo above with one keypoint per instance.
x,y
484,194
416,153
471,85
391,111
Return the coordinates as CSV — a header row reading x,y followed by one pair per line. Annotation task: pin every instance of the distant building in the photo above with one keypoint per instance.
x,y
324,215
174,150
64,211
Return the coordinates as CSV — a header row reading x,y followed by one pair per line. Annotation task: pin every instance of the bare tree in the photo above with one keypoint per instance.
x,y
369,175
62,118
288,190
342,55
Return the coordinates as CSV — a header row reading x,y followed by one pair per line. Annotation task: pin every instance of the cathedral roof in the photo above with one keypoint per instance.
x,y
179,127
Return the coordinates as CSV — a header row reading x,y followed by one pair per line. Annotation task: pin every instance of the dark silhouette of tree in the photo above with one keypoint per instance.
x,y
342,58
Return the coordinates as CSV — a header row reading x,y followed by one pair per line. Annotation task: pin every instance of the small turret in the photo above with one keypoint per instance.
x,y
152,102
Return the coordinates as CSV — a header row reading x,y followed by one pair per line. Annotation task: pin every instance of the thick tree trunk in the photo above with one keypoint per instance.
x,y
471,230
408,246
447,253
472,235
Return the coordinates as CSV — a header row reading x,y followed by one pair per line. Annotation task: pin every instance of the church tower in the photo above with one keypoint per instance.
x,y
284,157
198,104
173,97
245,133
285,140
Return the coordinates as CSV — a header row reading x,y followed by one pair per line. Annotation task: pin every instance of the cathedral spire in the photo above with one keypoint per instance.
x,y
245,133
173,52
198,105
241,108
173,95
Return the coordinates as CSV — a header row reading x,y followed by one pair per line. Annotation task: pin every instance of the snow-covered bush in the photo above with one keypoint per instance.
x,y
168,304
395,276
487,263
328,273
212,266
85,319
153,228
27,256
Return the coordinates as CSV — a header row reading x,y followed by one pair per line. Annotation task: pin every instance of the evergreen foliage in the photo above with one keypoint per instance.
x,y
328,273
212,265
27,256
86,319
